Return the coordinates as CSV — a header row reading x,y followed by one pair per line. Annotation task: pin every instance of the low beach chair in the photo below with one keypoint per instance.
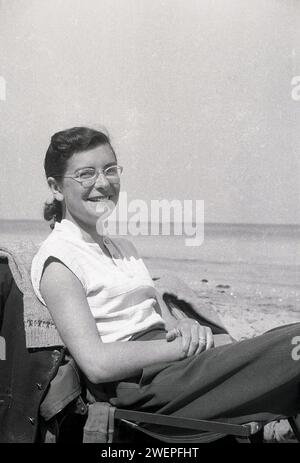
x,y
28,377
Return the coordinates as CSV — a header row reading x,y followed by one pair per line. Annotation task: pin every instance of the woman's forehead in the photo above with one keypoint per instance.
x,y
97,157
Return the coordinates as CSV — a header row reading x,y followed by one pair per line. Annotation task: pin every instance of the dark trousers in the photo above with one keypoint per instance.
x,y
256,379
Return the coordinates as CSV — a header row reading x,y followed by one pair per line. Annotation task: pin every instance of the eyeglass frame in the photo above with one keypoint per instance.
x,y
97,173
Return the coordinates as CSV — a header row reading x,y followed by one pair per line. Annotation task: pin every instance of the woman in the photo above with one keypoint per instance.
x,y
100,295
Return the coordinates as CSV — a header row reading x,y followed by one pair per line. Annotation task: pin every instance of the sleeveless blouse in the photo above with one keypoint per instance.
x,y
119,290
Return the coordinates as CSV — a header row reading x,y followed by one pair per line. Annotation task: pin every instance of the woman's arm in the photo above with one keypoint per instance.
x,y
100,362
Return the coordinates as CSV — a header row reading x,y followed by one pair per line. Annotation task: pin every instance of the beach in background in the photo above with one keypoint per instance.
x,y
249,273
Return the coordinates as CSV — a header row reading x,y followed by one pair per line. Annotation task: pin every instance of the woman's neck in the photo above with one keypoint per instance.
x,y
89,233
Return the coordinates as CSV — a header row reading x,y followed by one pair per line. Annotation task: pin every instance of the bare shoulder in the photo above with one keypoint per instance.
x,y
57,280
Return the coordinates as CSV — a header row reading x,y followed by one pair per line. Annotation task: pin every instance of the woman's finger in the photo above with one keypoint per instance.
x,y
201,339
209,338
191,333
194,338
186,338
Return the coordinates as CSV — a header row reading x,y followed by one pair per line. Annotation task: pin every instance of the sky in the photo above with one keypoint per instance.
x,y
196,96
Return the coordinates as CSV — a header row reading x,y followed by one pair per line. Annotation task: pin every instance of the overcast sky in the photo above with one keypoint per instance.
x,y
196,95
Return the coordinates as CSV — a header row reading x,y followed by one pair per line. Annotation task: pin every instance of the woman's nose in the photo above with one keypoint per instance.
x,y
101,181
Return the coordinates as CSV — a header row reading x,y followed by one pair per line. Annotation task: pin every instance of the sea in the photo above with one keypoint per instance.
x,y
235,243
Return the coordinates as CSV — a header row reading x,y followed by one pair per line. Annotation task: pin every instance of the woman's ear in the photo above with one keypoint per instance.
x,y
55,188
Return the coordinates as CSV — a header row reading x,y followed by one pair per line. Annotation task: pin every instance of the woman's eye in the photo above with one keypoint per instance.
x,y
111,171
86,174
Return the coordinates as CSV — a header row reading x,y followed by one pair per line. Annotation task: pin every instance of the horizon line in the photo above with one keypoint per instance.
x,y
172,222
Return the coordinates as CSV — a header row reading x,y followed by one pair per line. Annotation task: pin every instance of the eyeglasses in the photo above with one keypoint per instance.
x,y
89,175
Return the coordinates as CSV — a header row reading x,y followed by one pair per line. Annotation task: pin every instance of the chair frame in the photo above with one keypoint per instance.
x,y
202,431
208,431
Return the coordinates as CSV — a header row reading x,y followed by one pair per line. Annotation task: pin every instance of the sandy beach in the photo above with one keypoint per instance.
x,y
247,308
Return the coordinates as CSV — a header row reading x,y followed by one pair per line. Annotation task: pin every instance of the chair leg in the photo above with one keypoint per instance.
x,y
255,438
295,425
243,440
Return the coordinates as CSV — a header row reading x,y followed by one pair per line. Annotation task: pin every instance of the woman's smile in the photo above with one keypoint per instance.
x,y
101,206
100,198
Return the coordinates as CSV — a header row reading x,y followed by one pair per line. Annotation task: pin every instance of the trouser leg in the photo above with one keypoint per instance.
x,y
248,380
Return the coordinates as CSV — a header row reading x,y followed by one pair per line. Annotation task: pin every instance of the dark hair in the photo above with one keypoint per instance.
x,y
63,145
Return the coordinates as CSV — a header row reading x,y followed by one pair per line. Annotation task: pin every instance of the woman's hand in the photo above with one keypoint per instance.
x,y
195,337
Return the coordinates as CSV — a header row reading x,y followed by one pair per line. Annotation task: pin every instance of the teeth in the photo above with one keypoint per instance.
x,y
96,200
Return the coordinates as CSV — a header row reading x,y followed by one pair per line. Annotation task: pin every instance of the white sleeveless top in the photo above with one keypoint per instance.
x,y
119,290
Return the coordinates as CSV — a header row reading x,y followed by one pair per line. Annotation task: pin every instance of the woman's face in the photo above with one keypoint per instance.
x,y
85,205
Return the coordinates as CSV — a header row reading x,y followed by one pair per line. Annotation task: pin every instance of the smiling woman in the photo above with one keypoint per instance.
x,y
101,298
84,178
